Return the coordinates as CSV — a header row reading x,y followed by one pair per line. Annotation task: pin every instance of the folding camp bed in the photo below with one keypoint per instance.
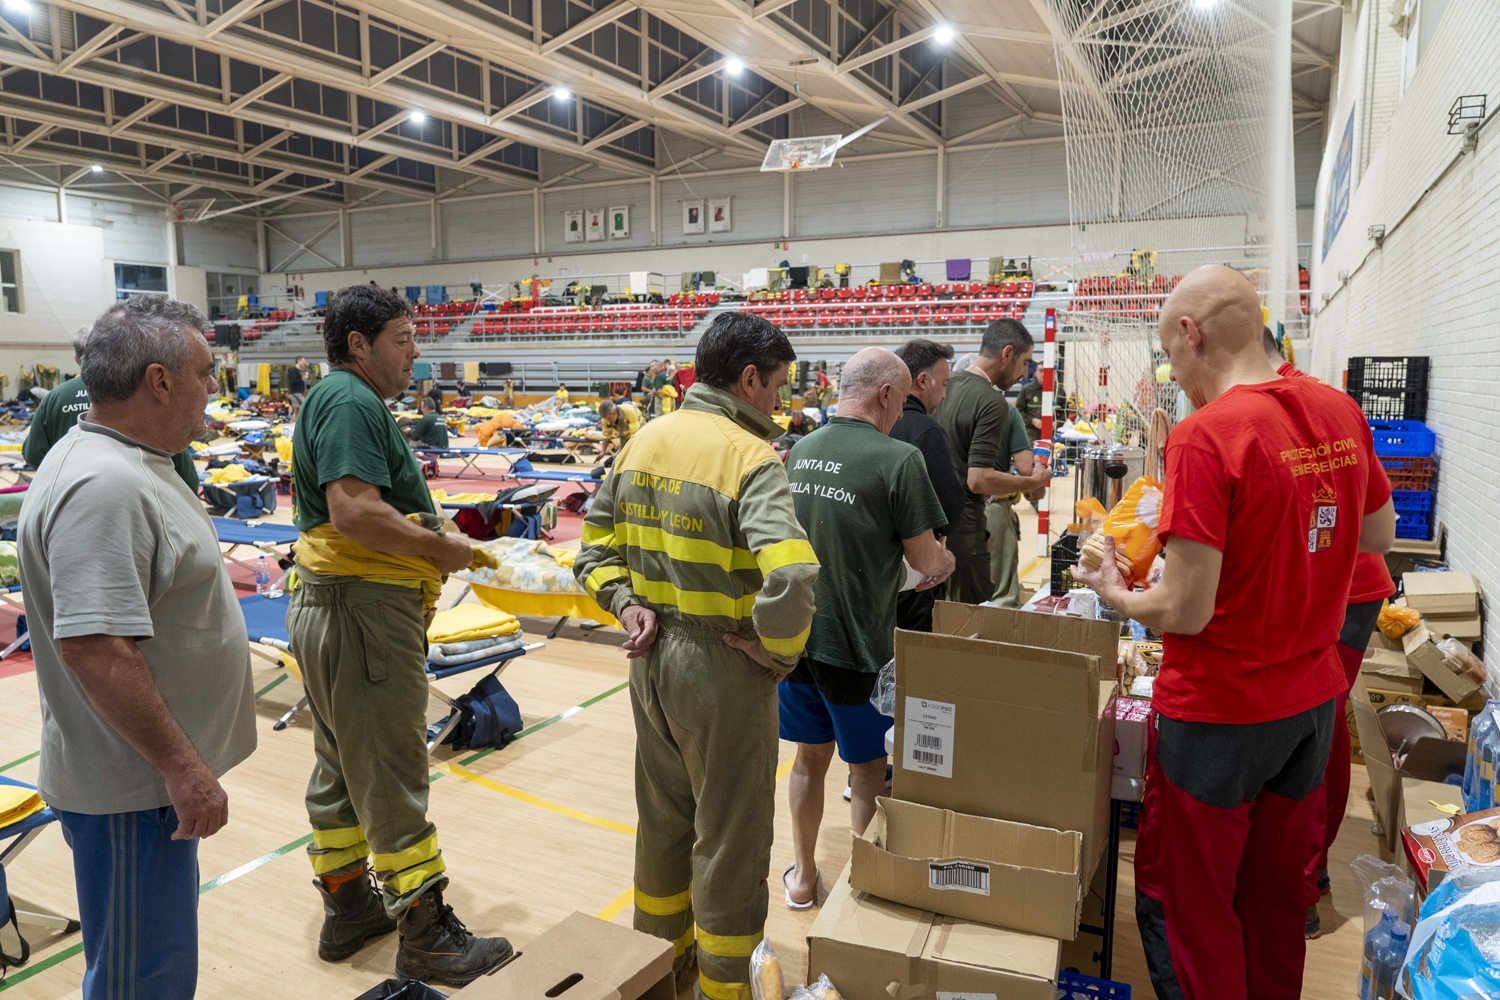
x,y
19,834
470,455
522,471
257,534
265,621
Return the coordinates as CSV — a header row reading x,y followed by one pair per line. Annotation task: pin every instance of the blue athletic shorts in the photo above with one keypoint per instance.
x,y
807,716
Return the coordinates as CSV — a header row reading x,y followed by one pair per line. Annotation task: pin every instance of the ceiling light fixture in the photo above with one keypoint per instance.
x,y
97,169
18,6
418,117
733,66
944,34
561,94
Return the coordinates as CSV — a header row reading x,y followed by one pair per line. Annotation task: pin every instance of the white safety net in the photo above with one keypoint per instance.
x,y
1179,143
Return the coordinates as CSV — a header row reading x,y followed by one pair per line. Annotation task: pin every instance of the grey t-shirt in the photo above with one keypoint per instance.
x,y
111,542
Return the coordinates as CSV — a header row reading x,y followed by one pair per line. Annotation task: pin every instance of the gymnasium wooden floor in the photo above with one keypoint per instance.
x,y
530,833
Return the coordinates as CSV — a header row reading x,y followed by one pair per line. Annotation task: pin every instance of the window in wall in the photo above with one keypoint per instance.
x,y
10,281
133,278
224,291
1418,25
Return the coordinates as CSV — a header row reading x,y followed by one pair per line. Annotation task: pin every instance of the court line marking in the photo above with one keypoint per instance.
x,y
269,686
458,771
21,760
560,716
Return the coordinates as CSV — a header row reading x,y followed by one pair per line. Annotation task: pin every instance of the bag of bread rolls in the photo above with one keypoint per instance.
x,y
766,982
1132,524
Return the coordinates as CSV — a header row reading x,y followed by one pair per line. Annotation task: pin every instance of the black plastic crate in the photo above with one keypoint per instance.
x,y
1390,388
1064,557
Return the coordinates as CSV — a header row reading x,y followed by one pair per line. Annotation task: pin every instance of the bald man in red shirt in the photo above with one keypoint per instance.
x,y
1371,586
1272,490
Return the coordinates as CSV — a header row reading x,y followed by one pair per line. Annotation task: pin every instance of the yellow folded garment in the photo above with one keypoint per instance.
x,y
443,496
198,446
284,449
17,802
564,557
229,474
470,621
326,552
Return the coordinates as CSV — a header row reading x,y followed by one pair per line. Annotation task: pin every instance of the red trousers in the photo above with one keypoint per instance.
x,y
1334,795
1229,879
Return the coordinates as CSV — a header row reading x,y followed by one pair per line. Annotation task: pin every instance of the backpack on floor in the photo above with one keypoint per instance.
x,y
8,909
490,717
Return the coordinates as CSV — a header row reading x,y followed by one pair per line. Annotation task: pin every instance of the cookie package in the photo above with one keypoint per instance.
x,y
1436,848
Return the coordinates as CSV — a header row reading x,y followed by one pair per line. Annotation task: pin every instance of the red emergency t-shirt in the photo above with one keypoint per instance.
x,y
1277,477
1372,578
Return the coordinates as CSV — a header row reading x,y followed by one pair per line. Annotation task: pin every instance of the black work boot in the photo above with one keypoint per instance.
x,y
352,914
436,947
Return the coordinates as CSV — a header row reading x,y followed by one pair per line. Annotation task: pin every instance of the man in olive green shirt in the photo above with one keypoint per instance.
x,y
357,624
974,416
1000,519
60,409
430,430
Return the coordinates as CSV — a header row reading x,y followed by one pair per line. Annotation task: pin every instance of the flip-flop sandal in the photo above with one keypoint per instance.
x,y
791,903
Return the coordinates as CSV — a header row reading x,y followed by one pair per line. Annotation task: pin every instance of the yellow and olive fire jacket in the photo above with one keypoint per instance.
x,y
695,520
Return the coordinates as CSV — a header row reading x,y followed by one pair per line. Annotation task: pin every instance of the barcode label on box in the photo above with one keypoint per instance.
x,y
927,739
965,876
965,996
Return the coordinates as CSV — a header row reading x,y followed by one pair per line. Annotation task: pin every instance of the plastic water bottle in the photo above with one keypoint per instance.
x,y
262,575
1488,752
1376,941
1388,963
1474,765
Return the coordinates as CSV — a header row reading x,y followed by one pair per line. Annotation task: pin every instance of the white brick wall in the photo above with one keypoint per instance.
x,y
1431,288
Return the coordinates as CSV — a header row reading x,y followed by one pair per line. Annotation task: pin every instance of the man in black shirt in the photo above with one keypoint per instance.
x,y
296,385
928,363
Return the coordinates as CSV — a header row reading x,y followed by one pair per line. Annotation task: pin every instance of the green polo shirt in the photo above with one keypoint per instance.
x,y
344,429
430,431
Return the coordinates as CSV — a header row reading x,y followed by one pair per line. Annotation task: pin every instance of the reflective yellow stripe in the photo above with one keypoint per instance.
x,y
664,906
417,853
596,536
692,602
601,576
412,879
346,836
722,991
685,942
684,549
785,553
737,946
786,647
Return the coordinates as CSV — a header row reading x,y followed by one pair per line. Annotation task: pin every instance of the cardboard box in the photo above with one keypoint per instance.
x,y
1441,593
1407,553
993,871
1132,716
1426,760
610,962
991,728
1389,669
1068,633
1422,653
1438,847
864,944
1465,628
1455,721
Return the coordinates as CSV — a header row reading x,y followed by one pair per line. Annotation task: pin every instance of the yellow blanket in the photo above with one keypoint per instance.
x,y
16,803
230,474
326,552
470,621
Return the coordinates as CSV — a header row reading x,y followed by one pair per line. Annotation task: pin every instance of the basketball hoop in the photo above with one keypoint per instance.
x,y
189,210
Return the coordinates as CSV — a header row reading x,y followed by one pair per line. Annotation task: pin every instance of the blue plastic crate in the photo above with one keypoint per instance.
x,y
1411,501
1414,524
1404,438
1074,985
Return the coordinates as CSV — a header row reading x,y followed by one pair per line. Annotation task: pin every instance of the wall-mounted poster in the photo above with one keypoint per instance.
x,y
619,222
594,225
692,217
573,226
718,215
1336,205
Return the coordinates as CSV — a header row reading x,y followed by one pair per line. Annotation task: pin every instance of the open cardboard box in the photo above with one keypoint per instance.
x,y
583,958
1069,633
873,949
989,727
1422,653
1007,874
1427,760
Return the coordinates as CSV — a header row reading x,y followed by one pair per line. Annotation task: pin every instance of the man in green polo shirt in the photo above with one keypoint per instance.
x,y
429,430
975,418
1000,519
370,561
60,409
866,502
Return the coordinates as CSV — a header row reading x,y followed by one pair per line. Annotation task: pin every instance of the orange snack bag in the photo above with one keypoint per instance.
x,y
1132,524
1394,622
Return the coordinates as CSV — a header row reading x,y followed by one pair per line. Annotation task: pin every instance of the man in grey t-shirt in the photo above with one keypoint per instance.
x,y
140,649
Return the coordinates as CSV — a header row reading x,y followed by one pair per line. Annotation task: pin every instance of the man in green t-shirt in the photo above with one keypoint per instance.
x,y
429,430
60,409
866,502
1000,520
975,418
357,621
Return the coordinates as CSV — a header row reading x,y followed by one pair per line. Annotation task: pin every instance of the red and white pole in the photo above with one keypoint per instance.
x,y
1049,365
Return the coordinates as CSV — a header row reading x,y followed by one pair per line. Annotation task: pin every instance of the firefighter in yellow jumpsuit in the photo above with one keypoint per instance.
x,y
694,545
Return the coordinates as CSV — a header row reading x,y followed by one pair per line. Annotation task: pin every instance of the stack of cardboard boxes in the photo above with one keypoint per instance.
x,y
975,870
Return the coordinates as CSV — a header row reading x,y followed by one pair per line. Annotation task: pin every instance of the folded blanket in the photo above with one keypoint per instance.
x,y
18,802
454,648
470,621
439,660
